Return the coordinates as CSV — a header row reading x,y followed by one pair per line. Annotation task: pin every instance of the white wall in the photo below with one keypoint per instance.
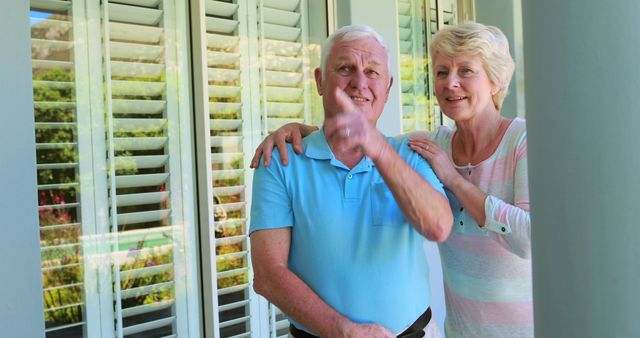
x,y
21,309
507,15
581,60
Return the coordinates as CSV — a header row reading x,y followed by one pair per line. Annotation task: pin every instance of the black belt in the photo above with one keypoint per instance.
x,y
416,330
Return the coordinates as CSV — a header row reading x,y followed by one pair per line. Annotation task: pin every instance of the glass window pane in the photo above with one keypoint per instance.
x,y
144,161
260,61
114,201
229,89
112,109
52,50
418,20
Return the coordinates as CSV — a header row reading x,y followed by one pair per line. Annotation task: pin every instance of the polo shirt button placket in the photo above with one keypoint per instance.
x,y
350,187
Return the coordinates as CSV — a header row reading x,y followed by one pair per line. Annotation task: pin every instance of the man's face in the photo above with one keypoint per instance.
x,y
360,69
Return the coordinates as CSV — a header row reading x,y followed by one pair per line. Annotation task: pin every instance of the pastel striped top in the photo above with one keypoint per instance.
x,y
487,272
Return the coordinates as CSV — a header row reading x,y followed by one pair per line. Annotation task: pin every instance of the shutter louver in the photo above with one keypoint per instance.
x,y
414,67
250,68
113,140
283,38
142,148
278,323
442,13
418,20
229,117
283,55
58,167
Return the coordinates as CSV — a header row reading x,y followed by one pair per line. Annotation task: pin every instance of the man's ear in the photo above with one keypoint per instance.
x,y
389,88
318,75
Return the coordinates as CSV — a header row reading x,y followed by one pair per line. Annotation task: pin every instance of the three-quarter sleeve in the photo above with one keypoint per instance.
x,y
512,221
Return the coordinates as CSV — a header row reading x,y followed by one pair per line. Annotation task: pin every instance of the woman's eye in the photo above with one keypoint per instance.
x,y
467,71
441,73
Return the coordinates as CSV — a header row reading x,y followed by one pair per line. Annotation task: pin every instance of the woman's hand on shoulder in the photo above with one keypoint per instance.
x,y
437,158
289,133
420,135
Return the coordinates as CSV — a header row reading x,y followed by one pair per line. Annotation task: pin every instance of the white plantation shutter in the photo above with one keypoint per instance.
x,y
442,13
414,67
228,92
114,145
144,162
115,206
285,82
418,20
278,323
257,78
283,38
64,170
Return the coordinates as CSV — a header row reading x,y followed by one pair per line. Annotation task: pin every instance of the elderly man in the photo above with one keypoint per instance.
x,y
337,234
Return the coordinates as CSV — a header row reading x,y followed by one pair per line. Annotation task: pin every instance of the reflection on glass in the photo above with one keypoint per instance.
x,y
270,72
225,38
282,55
109,134
58,169
414,66
418,20
139,104
116,218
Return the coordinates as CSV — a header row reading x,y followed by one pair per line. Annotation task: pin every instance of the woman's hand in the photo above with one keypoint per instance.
x,y
289,133
437,158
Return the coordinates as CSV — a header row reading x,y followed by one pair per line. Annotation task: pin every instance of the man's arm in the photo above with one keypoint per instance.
x,y
423,206
274,281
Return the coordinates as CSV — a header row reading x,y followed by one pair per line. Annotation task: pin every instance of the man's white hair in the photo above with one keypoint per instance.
x,y
351,33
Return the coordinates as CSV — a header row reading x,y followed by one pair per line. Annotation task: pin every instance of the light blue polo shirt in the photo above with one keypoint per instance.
x,y
349,240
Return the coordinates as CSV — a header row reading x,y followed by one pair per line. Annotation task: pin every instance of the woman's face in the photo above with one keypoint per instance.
x,y
462,86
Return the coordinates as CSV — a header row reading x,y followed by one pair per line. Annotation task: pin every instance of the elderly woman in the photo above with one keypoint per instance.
x,y
482,163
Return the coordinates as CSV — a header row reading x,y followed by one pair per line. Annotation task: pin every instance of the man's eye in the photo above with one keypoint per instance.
x,y
373,73
344,69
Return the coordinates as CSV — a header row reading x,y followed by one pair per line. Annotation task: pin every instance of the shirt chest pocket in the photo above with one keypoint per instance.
x,y
385,210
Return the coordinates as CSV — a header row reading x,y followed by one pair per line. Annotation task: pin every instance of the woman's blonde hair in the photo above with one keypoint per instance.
x,y
486,42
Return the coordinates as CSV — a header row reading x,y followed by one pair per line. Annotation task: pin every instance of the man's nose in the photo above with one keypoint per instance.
x,y
358,80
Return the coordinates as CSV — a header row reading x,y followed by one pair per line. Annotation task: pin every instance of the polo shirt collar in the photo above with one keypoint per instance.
x,y
316,147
